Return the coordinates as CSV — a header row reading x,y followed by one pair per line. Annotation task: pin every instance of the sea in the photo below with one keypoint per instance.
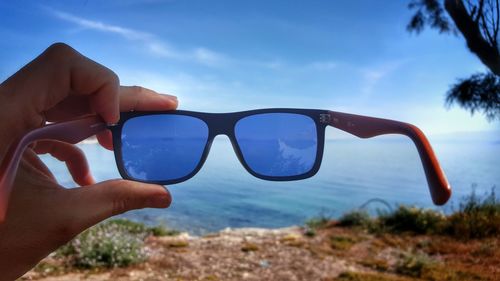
x,y
373,174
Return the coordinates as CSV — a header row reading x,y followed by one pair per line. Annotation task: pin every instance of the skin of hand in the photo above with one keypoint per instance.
x,y
58,85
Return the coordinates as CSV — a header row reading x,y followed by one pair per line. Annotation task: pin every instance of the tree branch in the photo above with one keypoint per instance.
x,y
488,54
497,23
479,11
484,25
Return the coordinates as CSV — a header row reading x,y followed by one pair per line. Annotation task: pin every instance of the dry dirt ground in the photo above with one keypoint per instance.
x,y
289,254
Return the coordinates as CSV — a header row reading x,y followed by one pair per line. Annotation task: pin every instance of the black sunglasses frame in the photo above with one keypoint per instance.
x,y
74,131
223,124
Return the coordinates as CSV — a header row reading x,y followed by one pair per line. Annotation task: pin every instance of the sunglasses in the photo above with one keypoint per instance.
x,y
170,147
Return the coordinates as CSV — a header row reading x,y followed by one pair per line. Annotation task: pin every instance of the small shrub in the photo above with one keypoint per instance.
x,y
476,217
355,218
113,243
414,265
313,224
413,219
109,244
317,222
309,232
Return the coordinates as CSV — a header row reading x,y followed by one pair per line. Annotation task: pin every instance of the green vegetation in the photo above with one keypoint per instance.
x,y
477,217
440,238
415,265
113,243
318,222
249,247
140,228
315,223
363,276
355,218
342,242
413,219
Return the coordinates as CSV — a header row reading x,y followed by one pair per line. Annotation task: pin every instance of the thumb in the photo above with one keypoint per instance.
x,y
100,201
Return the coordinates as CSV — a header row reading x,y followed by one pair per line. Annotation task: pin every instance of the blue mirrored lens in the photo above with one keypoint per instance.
x,y
162,147
278,144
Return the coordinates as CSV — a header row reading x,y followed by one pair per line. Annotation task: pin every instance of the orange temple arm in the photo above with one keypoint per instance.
x,y
367,127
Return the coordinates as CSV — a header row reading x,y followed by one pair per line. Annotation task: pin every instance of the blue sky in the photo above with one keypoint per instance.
x,y
219,56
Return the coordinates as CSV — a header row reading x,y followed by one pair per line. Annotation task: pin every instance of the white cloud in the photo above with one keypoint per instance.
x,y
208,57
149,41
373,75
160,48
96,25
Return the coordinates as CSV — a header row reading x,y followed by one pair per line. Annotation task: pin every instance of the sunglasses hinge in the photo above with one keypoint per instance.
x,y
325,118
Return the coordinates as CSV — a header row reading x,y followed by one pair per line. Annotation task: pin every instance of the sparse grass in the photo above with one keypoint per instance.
x,y
47,268
178,244
415,264
293,240
376,264
160,230
140,228
342,242
249,247
364,276
487,249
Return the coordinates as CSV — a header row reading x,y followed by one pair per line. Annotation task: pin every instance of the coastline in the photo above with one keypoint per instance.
x,y
405,244
332,254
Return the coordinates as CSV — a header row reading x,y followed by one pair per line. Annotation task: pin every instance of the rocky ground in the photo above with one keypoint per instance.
x,y
332,253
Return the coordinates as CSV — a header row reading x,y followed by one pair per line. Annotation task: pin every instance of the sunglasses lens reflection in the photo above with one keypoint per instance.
x,y
278,144
162,147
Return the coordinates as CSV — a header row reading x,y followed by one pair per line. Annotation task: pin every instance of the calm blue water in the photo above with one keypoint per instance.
x,y
353,171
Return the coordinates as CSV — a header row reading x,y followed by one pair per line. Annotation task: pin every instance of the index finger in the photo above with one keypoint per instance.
x,y
138,98
57,73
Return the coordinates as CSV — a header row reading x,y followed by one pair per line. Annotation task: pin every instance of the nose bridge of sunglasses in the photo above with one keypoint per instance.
x,y
221,124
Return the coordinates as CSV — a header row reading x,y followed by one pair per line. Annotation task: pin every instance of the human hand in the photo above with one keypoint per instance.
x,y
59,85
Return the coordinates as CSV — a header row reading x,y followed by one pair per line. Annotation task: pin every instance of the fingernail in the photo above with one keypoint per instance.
x,y
89,179
159,201
172,100
170,96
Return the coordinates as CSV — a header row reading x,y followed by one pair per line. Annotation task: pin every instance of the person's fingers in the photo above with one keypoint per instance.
x,y
101,84
71,107
138,98
97,202
70,154
31,159
105,139
57,73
